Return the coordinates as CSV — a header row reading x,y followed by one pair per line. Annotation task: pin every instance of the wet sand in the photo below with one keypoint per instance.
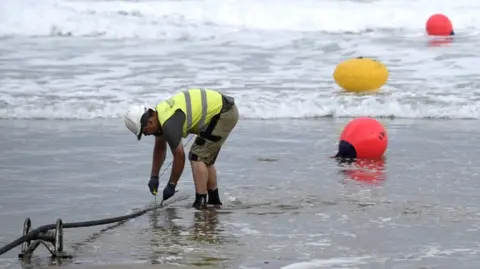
x,y
136,266
285,200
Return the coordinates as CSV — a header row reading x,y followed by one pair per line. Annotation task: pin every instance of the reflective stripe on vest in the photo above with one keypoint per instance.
x,y
188,104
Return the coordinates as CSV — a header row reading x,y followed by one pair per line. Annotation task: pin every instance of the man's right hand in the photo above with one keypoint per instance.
x,y
153,185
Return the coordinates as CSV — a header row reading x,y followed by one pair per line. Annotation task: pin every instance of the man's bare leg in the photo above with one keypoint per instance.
x,y
212,178
200,178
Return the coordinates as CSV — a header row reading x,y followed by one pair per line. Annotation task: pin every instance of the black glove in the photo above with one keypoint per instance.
x,y
169,191
153,185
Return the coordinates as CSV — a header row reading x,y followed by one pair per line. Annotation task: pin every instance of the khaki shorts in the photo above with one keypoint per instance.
x,y
207,146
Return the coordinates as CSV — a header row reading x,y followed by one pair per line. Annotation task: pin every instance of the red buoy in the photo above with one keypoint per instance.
x,y
363,138
439,25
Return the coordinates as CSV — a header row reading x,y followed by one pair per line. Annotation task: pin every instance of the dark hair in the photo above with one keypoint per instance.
x,y
145,117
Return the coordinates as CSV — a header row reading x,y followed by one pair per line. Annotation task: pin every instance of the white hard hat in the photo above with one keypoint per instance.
x,y
134,121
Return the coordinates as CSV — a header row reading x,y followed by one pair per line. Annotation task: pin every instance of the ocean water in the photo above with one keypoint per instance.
x,y
69,69
90,59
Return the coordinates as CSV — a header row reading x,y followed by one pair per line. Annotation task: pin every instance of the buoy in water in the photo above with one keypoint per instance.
x,y
360,75
439,25
363,138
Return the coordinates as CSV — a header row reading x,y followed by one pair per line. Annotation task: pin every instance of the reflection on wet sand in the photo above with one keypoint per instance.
x,y
165,234
440,41
363,170
206,228
175,239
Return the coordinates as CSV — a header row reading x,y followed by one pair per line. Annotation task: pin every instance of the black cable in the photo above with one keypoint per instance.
x,y
33,234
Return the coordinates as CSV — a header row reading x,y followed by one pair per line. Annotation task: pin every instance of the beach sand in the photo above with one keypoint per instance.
x,y
136,266
285,200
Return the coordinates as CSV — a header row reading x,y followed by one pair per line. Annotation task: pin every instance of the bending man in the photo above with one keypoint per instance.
x,y
206,113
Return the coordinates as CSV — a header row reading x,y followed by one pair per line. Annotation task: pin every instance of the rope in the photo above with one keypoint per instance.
x,y
32,235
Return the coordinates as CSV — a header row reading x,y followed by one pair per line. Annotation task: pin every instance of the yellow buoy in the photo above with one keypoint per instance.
x,y
360,75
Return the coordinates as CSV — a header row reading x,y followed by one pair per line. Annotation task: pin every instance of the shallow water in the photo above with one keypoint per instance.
x,y
285,201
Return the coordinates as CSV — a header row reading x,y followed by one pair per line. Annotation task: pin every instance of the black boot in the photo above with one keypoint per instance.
x,y
214,198
200,201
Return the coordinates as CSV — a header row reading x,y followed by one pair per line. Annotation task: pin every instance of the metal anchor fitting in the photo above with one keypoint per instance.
x,y
54,237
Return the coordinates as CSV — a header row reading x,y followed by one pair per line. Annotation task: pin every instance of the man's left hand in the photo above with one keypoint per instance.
x,y
169,191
